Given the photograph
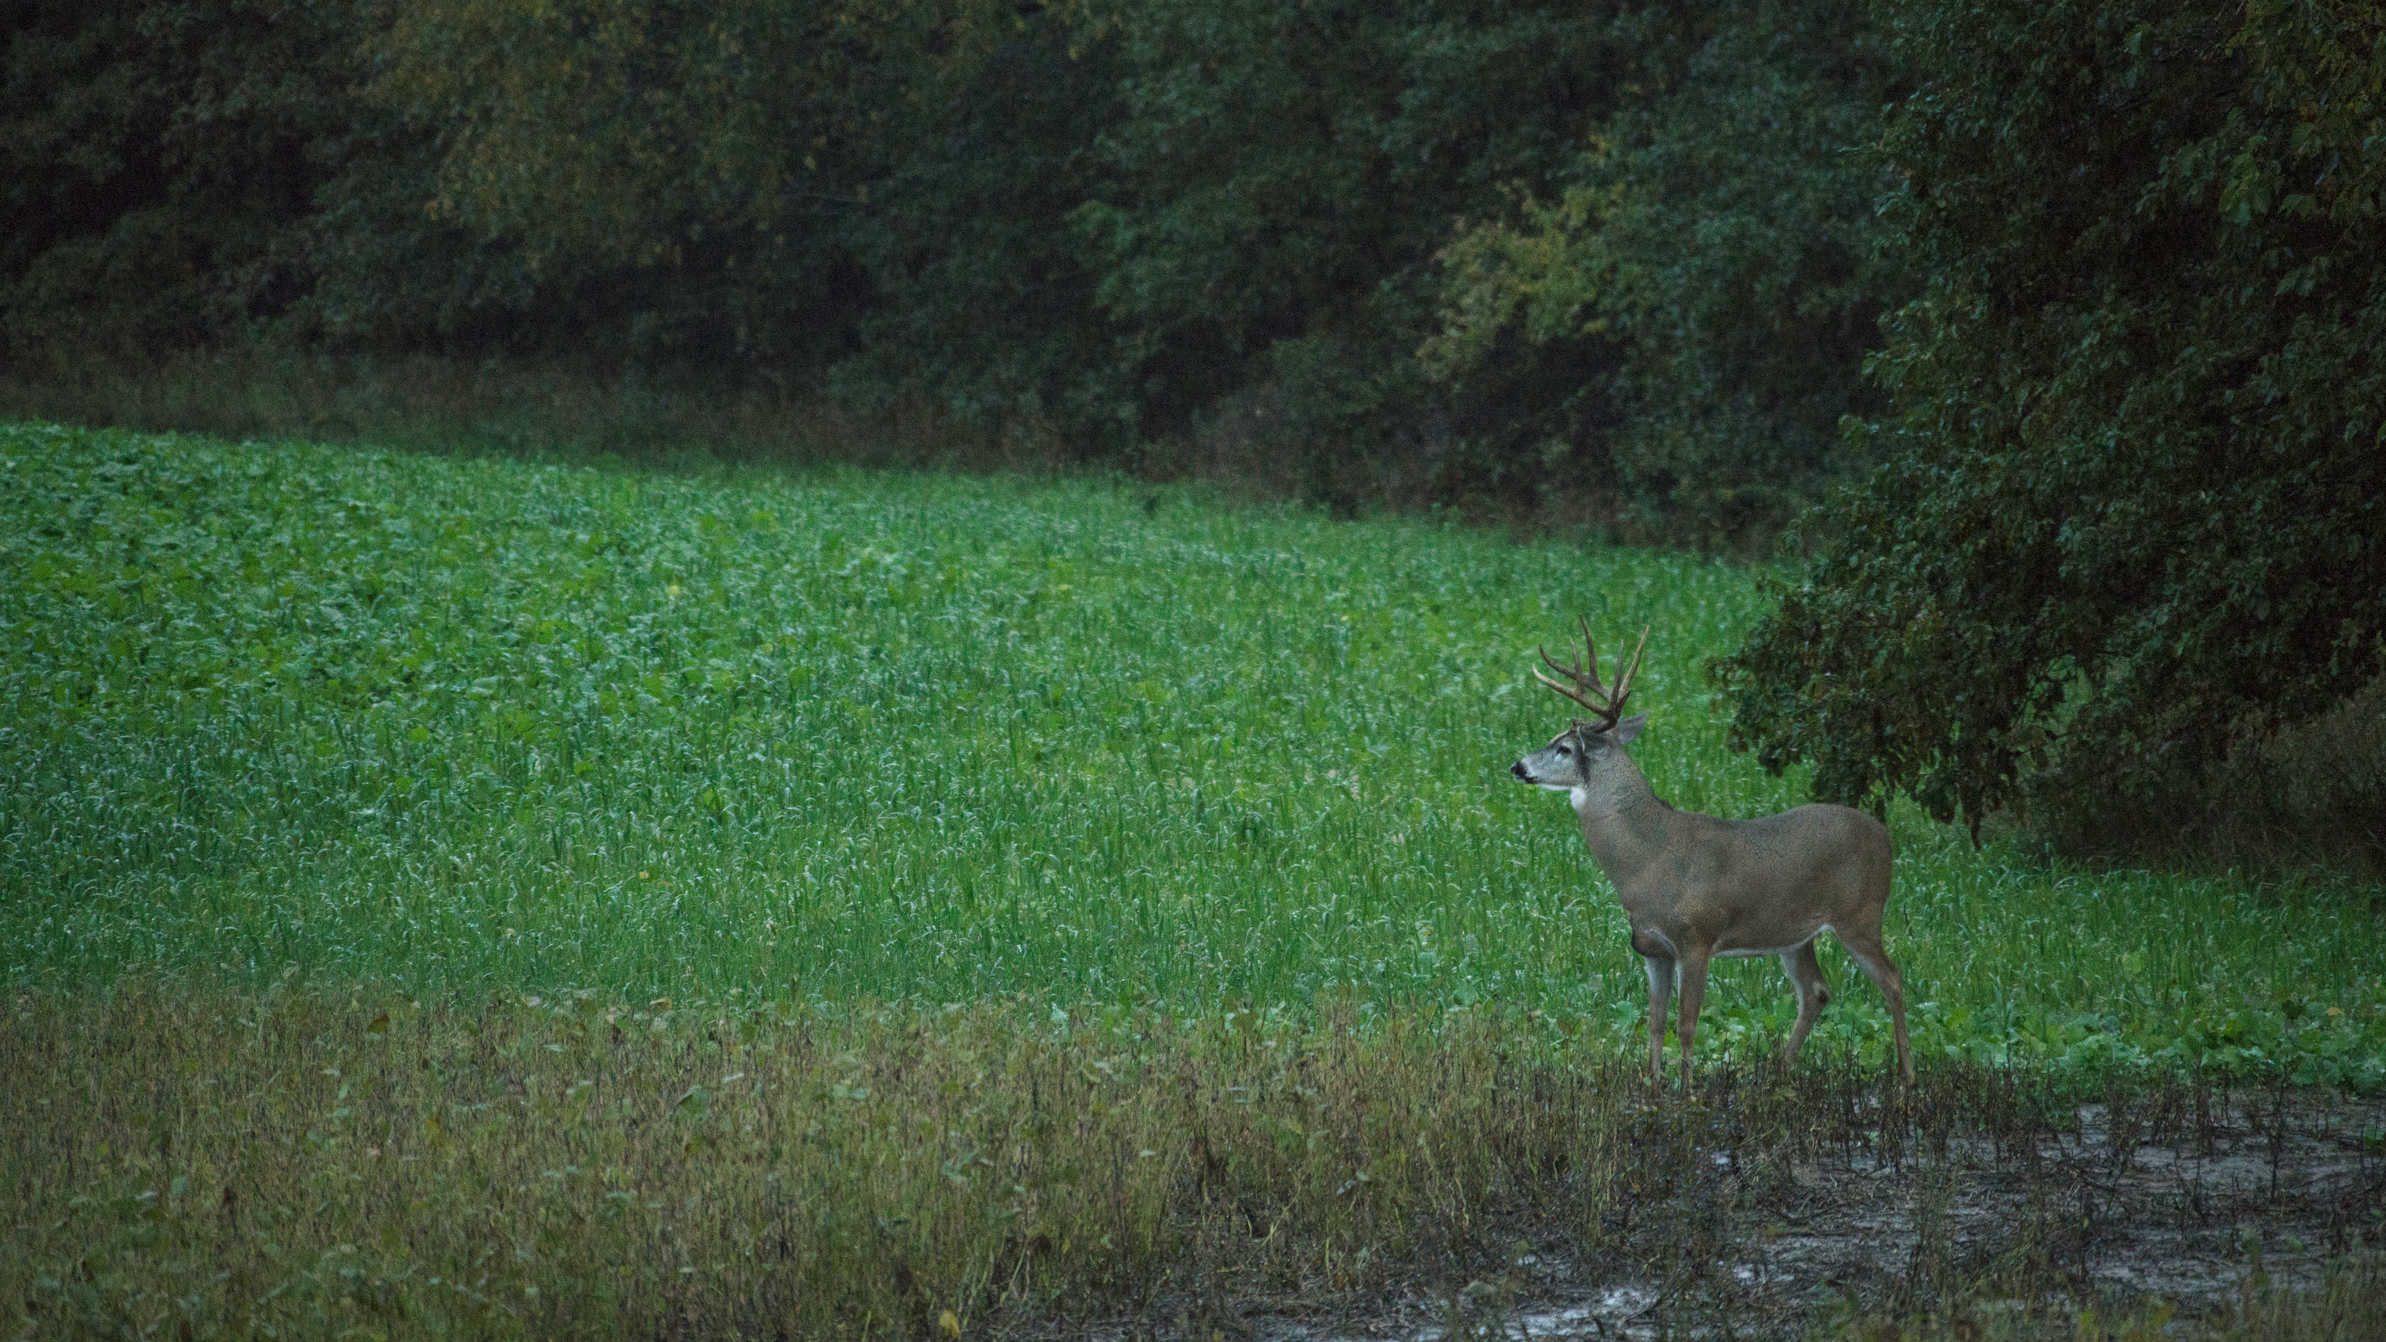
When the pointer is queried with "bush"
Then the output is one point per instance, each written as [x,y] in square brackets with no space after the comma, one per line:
[2130,520]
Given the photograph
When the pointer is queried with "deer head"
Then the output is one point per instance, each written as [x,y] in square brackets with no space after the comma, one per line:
[1576,755]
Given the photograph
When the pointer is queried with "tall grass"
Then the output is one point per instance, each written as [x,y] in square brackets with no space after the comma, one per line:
[287,1164]
[276,709]
[183,1161]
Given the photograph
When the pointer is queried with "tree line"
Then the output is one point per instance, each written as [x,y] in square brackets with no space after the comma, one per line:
[2049,328]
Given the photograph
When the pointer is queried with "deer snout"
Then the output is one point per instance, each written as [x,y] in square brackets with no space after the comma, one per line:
[1523,775]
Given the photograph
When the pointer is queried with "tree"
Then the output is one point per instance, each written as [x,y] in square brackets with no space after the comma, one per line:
[157,162]
[1275,189]
[982,300]
[2130,517]
[1712,240]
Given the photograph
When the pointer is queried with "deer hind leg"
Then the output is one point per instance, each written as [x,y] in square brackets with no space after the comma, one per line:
[1874,960]
[1806,977]
[1661,990]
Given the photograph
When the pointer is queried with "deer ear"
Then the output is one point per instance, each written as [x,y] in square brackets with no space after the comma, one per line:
[1630,727]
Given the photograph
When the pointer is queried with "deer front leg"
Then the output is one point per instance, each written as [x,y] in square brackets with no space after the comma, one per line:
[1694,995]
[1661,990]
[1806,977]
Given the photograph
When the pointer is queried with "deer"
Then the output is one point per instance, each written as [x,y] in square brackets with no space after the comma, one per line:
[1698,886]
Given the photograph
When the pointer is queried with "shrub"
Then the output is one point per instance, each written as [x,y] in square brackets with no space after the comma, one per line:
[2129,522]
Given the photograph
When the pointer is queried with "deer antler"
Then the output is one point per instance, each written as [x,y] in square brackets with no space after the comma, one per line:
[1606,704]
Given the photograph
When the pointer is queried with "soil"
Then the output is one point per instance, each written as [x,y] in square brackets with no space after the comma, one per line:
[2196,1202]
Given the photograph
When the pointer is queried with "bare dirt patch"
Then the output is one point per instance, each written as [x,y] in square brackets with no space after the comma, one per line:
[2206,1201]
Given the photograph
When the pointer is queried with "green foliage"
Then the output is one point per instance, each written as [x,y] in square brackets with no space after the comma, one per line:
[787,191]
[983,300]
[2130,515]
[1712,244]
[456,724]
[154,163]
[185,175]
[1608,266]
[1655,298]
[1277,183]
[679,173]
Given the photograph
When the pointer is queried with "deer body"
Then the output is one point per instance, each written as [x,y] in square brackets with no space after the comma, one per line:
[1698,886]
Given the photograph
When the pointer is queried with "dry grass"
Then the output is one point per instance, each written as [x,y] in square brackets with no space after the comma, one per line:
[183,1160]
[299,1164]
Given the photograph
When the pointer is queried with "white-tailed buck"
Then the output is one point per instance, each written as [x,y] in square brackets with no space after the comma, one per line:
[1696,886]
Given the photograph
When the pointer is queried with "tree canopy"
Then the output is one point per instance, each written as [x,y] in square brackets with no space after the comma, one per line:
[2129,515]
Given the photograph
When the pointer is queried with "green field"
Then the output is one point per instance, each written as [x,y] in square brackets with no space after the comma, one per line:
[450,725]
[445,896]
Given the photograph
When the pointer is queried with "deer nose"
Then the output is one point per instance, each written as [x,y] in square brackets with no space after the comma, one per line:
[1518,769]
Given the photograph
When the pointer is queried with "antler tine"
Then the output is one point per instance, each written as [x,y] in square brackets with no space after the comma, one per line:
[1587,674]
[1630,669]
[1586,681]
[1575,694]
[1591,646]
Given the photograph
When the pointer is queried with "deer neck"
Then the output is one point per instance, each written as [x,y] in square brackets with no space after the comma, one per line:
[1623,820]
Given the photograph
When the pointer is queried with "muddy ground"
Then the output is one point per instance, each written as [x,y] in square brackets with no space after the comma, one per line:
[2198,1198]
